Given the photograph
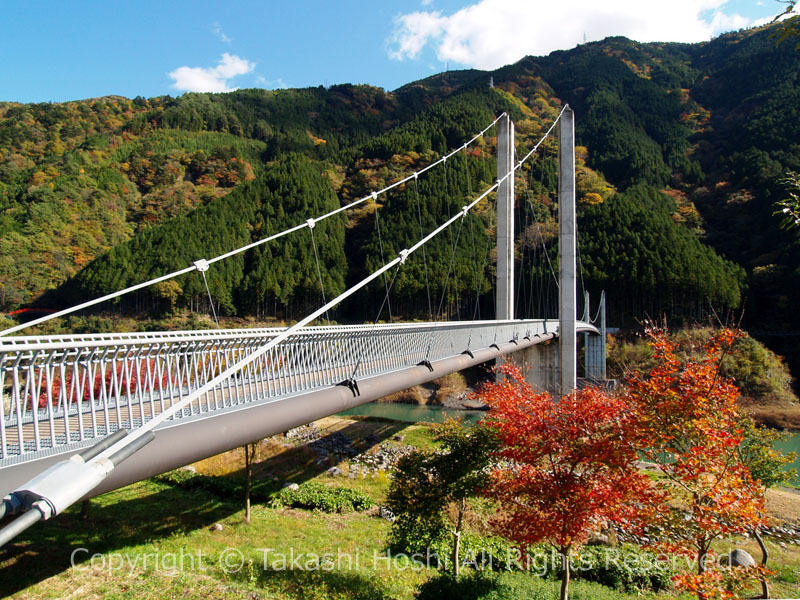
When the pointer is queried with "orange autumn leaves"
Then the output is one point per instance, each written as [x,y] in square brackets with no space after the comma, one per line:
[572,461]
[569,467]
[688,424]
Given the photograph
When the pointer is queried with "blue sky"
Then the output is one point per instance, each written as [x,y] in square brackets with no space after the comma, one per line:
[57,50]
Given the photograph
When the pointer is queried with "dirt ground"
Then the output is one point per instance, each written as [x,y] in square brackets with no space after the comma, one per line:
[784,504]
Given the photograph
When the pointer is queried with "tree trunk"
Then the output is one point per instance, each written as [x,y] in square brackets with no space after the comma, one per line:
[457,538]
[248,470]
[764,559]
[702,553]
[564,573]
[85,510]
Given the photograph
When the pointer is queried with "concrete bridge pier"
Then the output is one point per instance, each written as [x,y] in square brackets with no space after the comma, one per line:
[539,365]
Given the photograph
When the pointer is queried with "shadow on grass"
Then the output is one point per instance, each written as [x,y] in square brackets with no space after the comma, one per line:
[154,513]
[326,584]
[46,548]
[300,464]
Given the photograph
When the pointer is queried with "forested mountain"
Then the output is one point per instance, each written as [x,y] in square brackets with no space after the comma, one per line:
[682,148]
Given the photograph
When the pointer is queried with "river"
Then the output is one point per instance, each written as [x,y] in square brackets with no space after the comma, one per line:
[414,413]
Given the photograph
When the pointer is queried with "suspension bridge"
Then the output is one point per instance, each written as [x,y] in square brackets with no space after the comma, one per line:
[85,414]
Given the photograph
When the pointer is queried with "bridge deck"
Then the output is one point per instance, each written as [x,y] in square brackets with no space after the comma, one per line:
[61,393]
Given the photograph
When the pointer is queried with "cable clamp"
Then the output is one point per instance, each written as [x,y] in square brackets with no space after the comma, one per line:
[495,346]
[426,363]
[374,196]
[464,211]
[311,223]
[416,175]
[404,256]
[469,353]
[352,385]
[201,265]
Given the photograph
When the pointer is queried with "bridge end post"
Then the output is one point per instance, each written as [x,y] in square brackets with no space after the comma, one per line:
[596,348]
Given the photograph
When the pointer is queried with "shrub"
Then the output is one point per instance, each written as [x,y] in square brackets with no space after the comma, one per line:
[315,496]
[627,568]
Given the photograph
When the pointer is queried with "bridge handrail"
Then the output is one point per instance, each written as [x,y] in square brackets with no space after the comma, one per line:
[122,383]
[95,340]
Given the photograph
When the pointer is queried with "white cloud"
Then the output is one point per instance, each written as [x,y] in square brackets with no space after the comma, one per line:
[493,33]
[217,30]
[211,79]
[417,29]
[272,84]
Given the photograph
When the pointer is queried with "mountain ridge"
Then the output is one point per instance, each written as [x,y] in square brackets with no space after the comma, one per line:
[679,125]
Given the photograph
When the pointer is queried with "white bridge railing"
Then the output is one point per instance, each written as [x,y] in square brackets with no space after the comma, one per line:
[59,391]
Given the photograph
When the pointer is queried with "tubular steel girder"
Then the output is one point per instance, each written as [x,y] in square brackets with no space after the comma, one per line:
[62,393]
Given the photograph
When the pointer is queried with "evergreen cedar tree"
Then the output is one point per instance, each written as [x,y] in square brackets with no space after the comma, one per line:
[573,464]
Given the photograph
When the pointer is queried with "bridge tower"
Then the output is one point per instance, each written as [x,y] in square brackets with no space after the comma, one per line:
[505,220]
[567,310]
[550,367]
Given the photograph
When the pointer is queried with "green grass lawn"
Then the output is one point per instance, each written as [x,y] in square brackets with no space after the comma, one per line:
[153,540]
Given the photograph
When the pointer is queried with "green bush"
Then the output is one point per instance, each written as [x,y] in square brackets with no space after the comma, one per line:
[315,496]
[311,496]
[625,568]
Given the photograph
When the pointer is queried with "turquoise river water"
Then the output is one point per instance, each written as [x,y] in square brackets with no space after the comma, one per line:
[414,413]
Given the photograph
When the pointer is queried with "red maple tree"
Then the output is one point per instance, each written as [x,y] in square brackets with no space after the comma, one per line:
[569,465]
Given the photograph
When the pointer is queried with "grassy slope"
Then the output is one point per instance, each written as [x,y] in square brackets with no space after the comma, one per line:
[157,522]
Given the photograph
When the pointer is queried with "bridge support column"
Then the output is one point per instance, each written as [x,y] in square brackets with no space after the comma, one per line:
[505,219]
[595,348]
[566,252]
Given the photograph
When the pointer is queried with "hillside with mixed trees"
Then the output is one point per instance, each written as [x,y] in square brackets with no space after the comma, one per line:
[682,149]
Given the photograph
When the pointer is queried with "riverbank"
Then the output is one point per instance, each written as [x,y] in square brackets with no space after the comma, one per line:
[416,413]
[784,419]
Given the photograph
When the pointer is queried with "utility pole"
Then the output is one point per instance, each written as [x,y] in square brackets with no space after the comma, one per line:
[505,220]
[566,251]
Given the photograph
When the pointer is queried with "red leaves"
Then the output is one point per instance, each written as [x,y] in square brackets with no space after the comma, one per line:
[726,584]
[121,379]
[570,465]
[571,462]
